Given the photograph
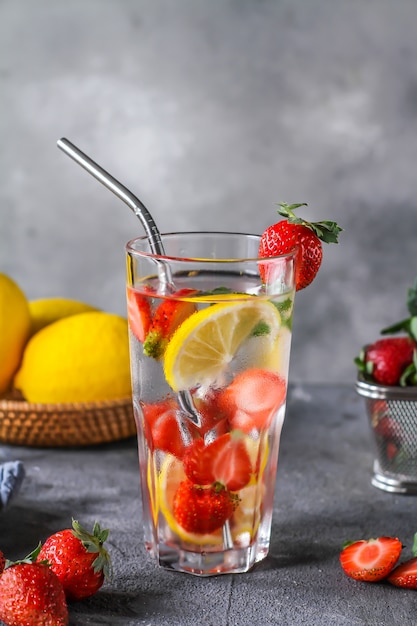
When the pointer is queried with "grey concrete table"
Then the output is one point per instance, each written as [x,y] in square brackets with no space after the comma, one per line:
[323,497]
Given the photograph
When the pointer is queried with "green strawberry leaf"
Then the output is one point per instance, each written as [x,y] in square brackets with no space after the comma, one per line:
[409,375]
[360,362]
[325,230]
[415,545]
[403,325]
[408,325]
[413,327]
[369,368]
[30,558]
[412,299]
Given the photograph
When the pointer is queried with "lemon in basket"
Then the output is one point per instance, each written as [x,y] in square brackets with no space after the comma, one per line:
[81,358]
[44,311]
[14,329]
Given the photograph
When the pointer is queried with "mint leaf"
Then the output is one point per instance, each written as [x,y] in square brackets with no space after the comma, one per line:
[260,329]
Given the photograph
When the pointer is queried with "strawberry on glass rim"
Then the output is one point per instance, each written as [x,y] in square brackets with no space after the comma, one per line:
[292,233]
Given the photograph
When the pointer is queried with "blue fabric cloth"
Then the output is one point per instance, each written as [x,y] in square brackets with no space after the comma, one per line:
[11,477]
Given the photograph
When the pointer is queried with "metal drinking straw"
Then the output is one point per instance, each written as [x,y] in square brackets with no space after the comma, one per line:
[155,242]
[152,232]
[106,179]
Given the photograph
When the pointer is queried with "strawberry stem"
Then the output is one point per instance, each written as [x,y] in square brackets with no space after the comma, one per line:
[30,558]
[325,230]
[93,542]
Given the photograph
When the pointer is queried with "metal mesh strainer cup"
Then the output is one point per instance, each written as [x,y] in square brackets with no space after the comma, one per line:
[392,413]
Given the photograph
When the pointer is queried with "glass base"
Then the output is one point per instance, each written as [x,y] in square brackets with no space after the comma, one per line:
[234,561]
[393,483]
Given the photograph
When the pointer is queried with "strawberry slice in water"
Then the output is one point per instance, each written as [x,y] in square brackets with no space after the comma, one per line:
[253,398]
[213,418]
[162,430]
[139,313]
[225,461]
[166,319]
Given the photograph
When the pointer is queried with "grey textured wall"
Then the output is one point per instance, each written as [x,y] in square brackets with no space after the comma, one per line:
[212,111]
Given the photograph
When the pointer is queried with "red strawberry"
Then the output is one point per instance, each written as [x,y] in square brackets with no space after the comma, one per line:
[213,419]
[2,561]
[161,427]
[253,398]
[294,232]
[386,359]
[370,560]
[225,461]
[202,509]
[390,435]
[31,594]
[168,316]
[79,559]
[138,313]
[405,575]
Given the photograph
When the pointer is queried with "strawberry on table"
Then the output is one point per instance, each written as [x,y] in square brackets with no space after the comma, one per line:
[166,319]
[253,398]
[203,510]
[79,559]
[2,561]
[370,560]
[405,575]
[386,360]
[294,232]
[31,594]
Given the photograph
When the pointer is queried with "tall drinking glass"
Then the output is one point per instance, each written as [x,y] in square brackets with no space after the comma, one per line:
[210,334]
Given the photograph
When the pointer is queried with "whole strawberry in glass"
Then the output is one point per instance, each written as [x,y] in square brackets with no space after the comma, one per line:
[79,559]
[292,233]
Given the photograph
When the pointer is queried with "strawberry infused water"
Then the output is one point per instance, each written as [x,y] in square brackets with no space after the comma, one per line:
[210,330]
[210,333]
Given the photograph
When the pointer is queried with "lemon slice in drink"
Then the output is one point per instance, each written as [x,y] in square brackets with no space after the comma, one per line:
[206,342]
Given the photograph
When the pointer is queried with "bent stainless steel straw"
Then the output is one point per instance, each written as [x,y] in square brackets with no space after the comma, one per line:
[106,179]
[152,232]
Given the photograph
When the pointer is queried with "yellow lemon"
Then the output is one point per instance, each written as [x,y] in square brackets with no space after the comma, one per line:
[44,311]
[207,341]
[14,329]
[247,516]
[81,358]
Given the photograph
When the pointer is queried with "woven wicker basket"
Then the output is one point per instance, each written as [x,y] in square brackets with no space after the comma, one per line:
[65,425]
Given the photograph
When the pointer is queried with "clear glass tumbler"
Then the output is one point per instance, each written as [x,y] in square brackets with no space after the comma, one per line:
[210,334]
